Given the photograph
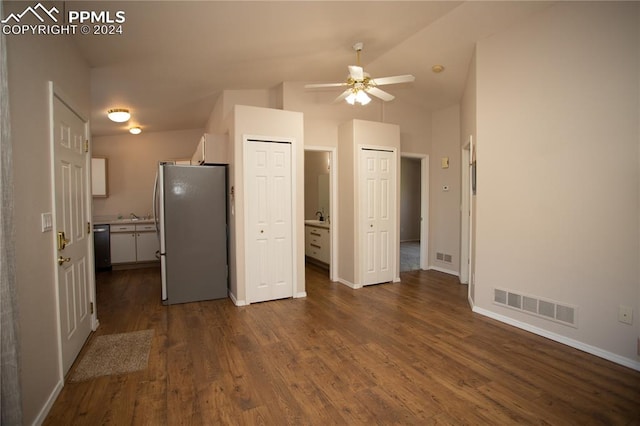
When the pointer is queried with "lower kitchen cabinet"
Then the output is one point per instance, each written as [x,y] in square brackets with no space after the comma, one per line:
[146,245]
[133,243]
[123,244]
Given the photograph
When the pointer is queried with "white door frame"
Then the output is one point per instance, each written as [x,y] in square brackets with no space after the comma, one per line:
[466,221]
[465,215]
[56,92]
[246,139]
[333,202]
[395,243]
[424,206]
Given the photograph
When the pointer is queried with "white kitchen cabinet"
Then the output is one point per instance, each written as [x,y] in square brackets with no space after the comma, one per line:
[317,243]
[99,180]
[123,244]
[212,149]
[133,243]
[146,243]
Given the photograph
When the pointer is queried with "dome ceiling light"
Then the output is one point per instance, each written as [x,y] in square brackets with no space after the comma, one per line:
[119,115]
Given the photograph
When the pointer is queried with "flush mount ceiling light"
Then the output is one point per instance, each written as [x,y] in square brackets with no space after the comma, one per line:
[119,115]
[437,68]
[135,130]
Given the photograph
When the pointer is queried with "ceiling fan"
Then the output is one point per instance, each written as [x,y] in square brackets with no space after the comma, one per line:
[359,83]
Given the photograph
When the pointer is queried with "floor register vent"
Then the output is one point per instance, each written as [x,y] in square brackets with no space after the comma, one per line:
[548,309]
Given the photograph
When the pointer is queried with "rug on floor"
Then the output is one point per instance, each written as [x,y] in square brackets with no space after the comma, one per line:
[114,354]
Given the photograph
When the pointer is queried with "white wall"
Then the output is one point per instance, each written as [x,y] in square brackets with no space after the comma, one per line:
[132,166]
[32,62]
[444,210]
[558,169]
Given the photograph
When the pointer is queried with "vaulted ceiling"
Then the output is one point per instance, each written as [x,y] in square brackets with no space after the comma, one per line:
[175,57]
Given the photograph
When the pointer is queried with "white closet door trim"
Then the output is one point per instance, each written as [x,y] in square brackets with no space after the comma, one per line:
[249,263]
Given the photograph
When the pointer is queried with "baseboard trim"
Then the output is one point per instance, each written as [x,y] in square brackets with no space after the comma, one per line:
[300,295]
[236,301]
[446,271]
[349,284]
[42,415]
[593,350]
[471,303]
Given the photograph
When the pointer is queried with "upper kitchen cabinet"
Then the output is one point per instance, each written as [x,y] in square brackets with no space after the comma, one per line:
[99,181]
[212,149]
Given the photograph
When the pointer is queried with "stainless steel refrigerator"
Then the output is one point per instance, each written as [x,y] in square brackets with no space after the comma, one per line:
[190,207]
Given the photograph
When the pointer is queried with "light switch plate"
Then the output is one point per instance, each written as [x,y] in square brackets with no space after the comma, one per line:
[445,162]
[47,221]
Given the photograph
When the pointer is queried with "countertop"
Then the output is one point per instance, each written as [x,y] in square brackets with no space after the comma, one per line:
[317,223]
[108,220]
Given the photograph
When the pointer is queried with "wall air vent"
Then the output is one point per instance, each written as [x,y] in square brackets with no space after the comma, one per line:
[543,308]
[443,257]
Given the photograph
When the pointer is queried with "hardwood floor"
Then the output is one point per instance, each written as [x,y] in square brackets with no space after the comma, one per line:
[408,353]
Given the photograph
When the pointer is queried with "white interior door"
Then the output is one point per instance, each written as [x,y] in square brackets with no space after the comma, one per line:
[72,257]
[377,215]
[269,262]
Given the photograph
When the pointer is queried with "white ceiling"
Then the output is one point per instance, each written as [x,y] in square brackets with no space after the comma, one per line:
[175,57]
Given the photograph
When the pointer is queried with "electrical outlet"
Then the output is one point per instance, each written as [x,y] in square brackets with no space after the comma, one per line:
[625,314]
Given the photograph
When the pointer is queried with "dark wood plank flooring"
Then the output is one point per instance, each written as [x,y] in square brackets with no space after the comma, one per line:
[408,353]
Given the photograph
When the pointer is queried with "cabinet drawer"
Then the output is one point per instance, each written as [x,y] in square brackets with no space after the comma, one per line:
[123,228]
[146,227]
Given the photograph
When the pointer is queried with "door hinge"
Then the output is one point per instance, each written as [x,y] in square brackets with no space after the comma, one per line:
[91,304]
[86,145]
[88,227]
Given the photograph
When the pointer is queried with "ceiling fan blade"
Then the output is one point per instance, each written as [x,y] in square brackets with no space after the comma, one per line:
[320,85]
[378,93]
[408,78]
[356,72]
[342,96]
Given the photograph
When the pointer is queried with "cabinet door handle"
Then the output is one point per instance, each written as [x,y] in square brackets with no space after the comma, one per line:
[316,246]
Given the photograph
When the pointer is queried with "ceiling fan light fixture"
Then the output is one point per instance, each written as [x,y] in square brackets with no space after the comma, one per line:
[119,115]
[362,97]
[351,99]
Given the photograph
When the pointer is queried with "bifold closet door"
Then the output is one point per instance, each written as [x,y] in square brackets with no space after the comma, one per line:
[269,250]
[377,215]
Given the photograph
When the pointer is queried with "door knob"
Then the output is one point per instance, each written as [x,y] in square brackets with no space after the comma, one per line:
[262,231]
[62,260]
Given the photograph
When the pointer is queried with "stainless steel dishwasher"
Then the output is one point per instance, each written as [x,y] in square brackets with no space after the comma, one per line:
[102,247]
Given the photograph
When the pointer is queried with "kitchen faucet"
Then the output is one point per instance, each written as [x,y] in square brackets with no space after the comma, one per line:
[321,218]
[133,216]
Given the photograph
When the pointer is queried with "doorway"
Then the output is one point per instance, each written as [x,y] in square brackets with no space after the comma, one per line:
[414,212]
[320,192]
